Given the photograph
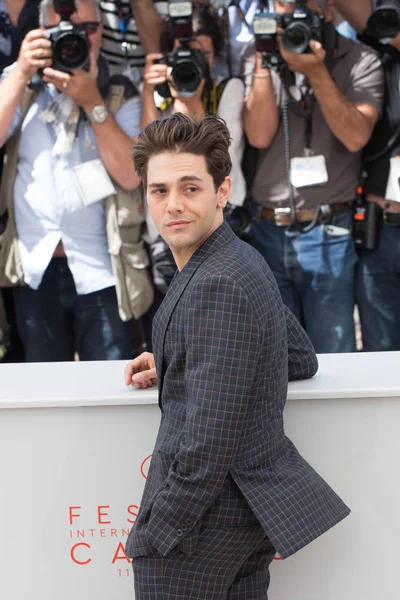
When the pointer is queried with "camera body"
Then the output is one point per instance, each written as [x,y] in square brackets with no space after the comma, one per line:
[299,27]
[189,65]
[70,44]
[384,22]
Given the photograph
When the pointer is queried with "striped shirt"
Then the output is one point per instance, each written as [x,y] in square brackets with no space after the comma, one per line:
[121,45]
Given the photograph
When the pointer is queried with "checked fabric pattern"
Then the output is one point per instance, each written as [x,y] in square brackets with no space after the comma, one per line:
[224,347]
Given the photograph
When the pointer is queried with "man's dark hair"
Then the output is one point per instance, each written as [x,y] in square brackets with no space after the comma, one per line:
[208,137]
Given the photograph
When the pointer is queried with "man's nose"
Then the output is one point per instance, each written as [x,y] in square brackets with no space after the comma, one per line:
[175,203]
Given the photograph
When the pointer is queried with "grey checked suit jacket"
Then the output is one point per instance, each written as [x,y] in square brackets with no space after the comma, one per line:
[223,345]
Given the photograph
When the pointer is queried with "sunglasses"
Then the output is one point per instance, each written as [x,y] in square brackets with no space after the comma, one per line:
[88,27]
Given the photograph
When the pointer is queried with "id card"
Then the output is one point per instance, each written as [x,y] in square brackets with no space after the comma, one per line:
[93,181]
[308,170]
[393,185]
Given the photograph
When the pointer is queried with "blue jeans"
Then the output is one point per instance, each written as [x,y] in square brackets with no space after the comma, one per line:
[315,272]
[54,322]
[378,292]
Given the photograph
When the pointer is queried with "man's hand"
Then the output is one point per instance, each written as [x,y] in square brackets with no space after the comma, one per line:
[154,73]
[80,86]
[35,53]
[141,372]
[307,64]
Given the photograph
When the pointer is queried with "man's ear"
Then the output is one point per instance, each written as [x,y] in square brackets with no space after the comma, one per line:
[223,192]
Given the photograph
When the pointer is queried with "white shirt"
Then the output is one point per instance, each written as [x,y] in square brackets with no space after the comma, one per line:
[48,205]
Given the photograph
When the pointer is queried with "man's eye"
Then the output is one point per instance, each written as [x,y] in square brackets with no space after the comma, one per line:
[159,191]
[191,189]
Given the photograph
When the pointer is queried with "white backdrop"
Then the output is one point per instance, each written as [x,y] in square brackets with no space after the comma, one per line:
[71,480]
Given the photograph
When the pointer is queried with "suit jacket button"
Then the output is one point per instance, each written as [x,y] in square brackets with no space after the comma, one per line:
[179,532]
[184,528]
[189,522]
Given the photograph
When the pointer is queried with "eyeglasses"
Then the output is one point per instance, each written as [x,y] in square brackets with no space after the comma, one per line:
[88,26]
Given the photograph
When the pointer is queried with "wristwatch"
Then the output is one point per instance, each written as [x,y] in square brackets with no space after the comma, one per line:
[98,114]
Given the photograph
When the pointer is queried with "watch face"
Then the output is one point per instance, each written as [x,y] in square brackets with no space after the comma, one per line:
[99,114]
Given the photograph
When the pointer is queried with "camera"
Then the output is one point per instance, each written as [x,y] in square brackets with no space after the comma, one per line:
[299,27]
[70,43]
[189,65]
[384,22]
[239,219]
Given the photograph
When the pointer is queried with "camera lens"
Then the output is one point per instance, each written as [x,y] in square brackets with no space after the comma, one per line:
[385,22]
[71,51]
[296,38]
[186,77]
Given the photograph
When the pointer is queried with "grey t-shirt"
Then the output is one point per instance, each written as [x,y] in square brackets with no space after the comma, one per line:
[359,76]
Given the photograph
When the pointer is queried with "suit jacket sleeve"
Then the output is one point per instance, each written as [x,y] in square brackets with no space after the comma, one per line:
[221,341]
[302,360]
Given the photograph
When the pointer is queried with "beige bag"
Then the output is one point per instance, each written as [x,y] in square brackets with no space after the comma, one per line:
[11,273]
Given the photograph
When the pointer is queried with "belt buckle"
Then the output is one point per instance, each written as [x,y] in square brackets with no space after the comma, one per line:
[279,217]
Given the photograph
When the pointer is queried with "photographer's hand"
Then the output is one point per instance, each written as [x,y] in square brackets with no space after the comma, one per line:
[80,86]
[35,53]
[154,74]
[306,64]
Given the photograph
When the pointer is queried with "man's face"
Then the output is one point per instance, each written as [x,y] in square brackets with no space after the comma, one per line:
[182,200]
[86,12]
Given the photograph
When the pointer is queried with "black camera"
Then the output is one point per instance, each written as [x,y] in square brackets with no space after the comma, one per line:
[384,22]
[70,43]
[300,26]
[265,28]
[239,219]
[189,65]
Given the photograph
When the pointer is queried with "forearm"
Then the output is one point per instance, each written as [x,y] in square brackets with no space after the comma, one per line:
[190,106]
[260,113]
[149,109]
[11,92]
[345,121]
[356,12]
[302,360]
[148,23]
[115,149]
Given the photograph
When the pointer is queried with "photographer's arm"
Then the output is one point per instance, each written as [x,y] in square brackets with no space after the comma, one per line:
[356,12]
[154,74]
[114,145]
[350,122]
[148,23]
[35,52]
[260,112]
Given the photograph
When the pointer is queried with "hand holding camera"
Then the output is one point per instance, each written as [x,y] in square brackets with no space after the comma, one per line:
[35,53]
[306,64]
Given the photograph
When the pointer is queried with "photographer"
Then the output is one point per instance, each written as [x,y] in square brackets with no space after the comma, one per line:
[378,270]
[224,98]
[61,204]
[310,119]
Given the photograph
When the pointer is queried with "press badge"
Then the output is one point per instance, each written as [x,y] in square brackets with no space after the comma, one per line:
[93,181]
[308,170]
[393,186]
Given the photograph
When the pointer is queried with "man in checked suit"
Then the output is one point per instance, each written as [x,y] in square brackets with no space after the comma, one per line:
[226,489]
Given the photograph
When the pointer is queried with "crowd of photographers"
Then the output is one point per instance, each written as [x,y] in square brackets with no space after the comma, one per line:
[315,123]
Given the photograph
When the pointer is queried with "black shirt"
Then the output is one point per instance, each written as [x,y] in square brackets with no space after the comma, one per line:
[11,37]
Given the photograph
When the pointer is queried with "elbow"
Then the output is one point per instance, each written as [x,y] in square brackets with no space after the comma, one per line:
[258,140]
[313,367]
[128,182]
[356,143]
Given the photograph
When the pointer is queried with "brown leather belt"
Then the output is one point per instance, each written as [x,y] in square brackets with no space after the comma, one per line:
[282,217]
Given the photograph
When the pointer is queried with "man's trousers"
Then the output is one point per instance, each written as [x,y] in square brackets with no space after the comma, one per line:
[227,564]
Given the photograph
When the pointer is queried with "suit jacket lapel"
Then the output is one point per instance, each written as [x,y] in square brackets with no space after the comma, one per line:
[223,235]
